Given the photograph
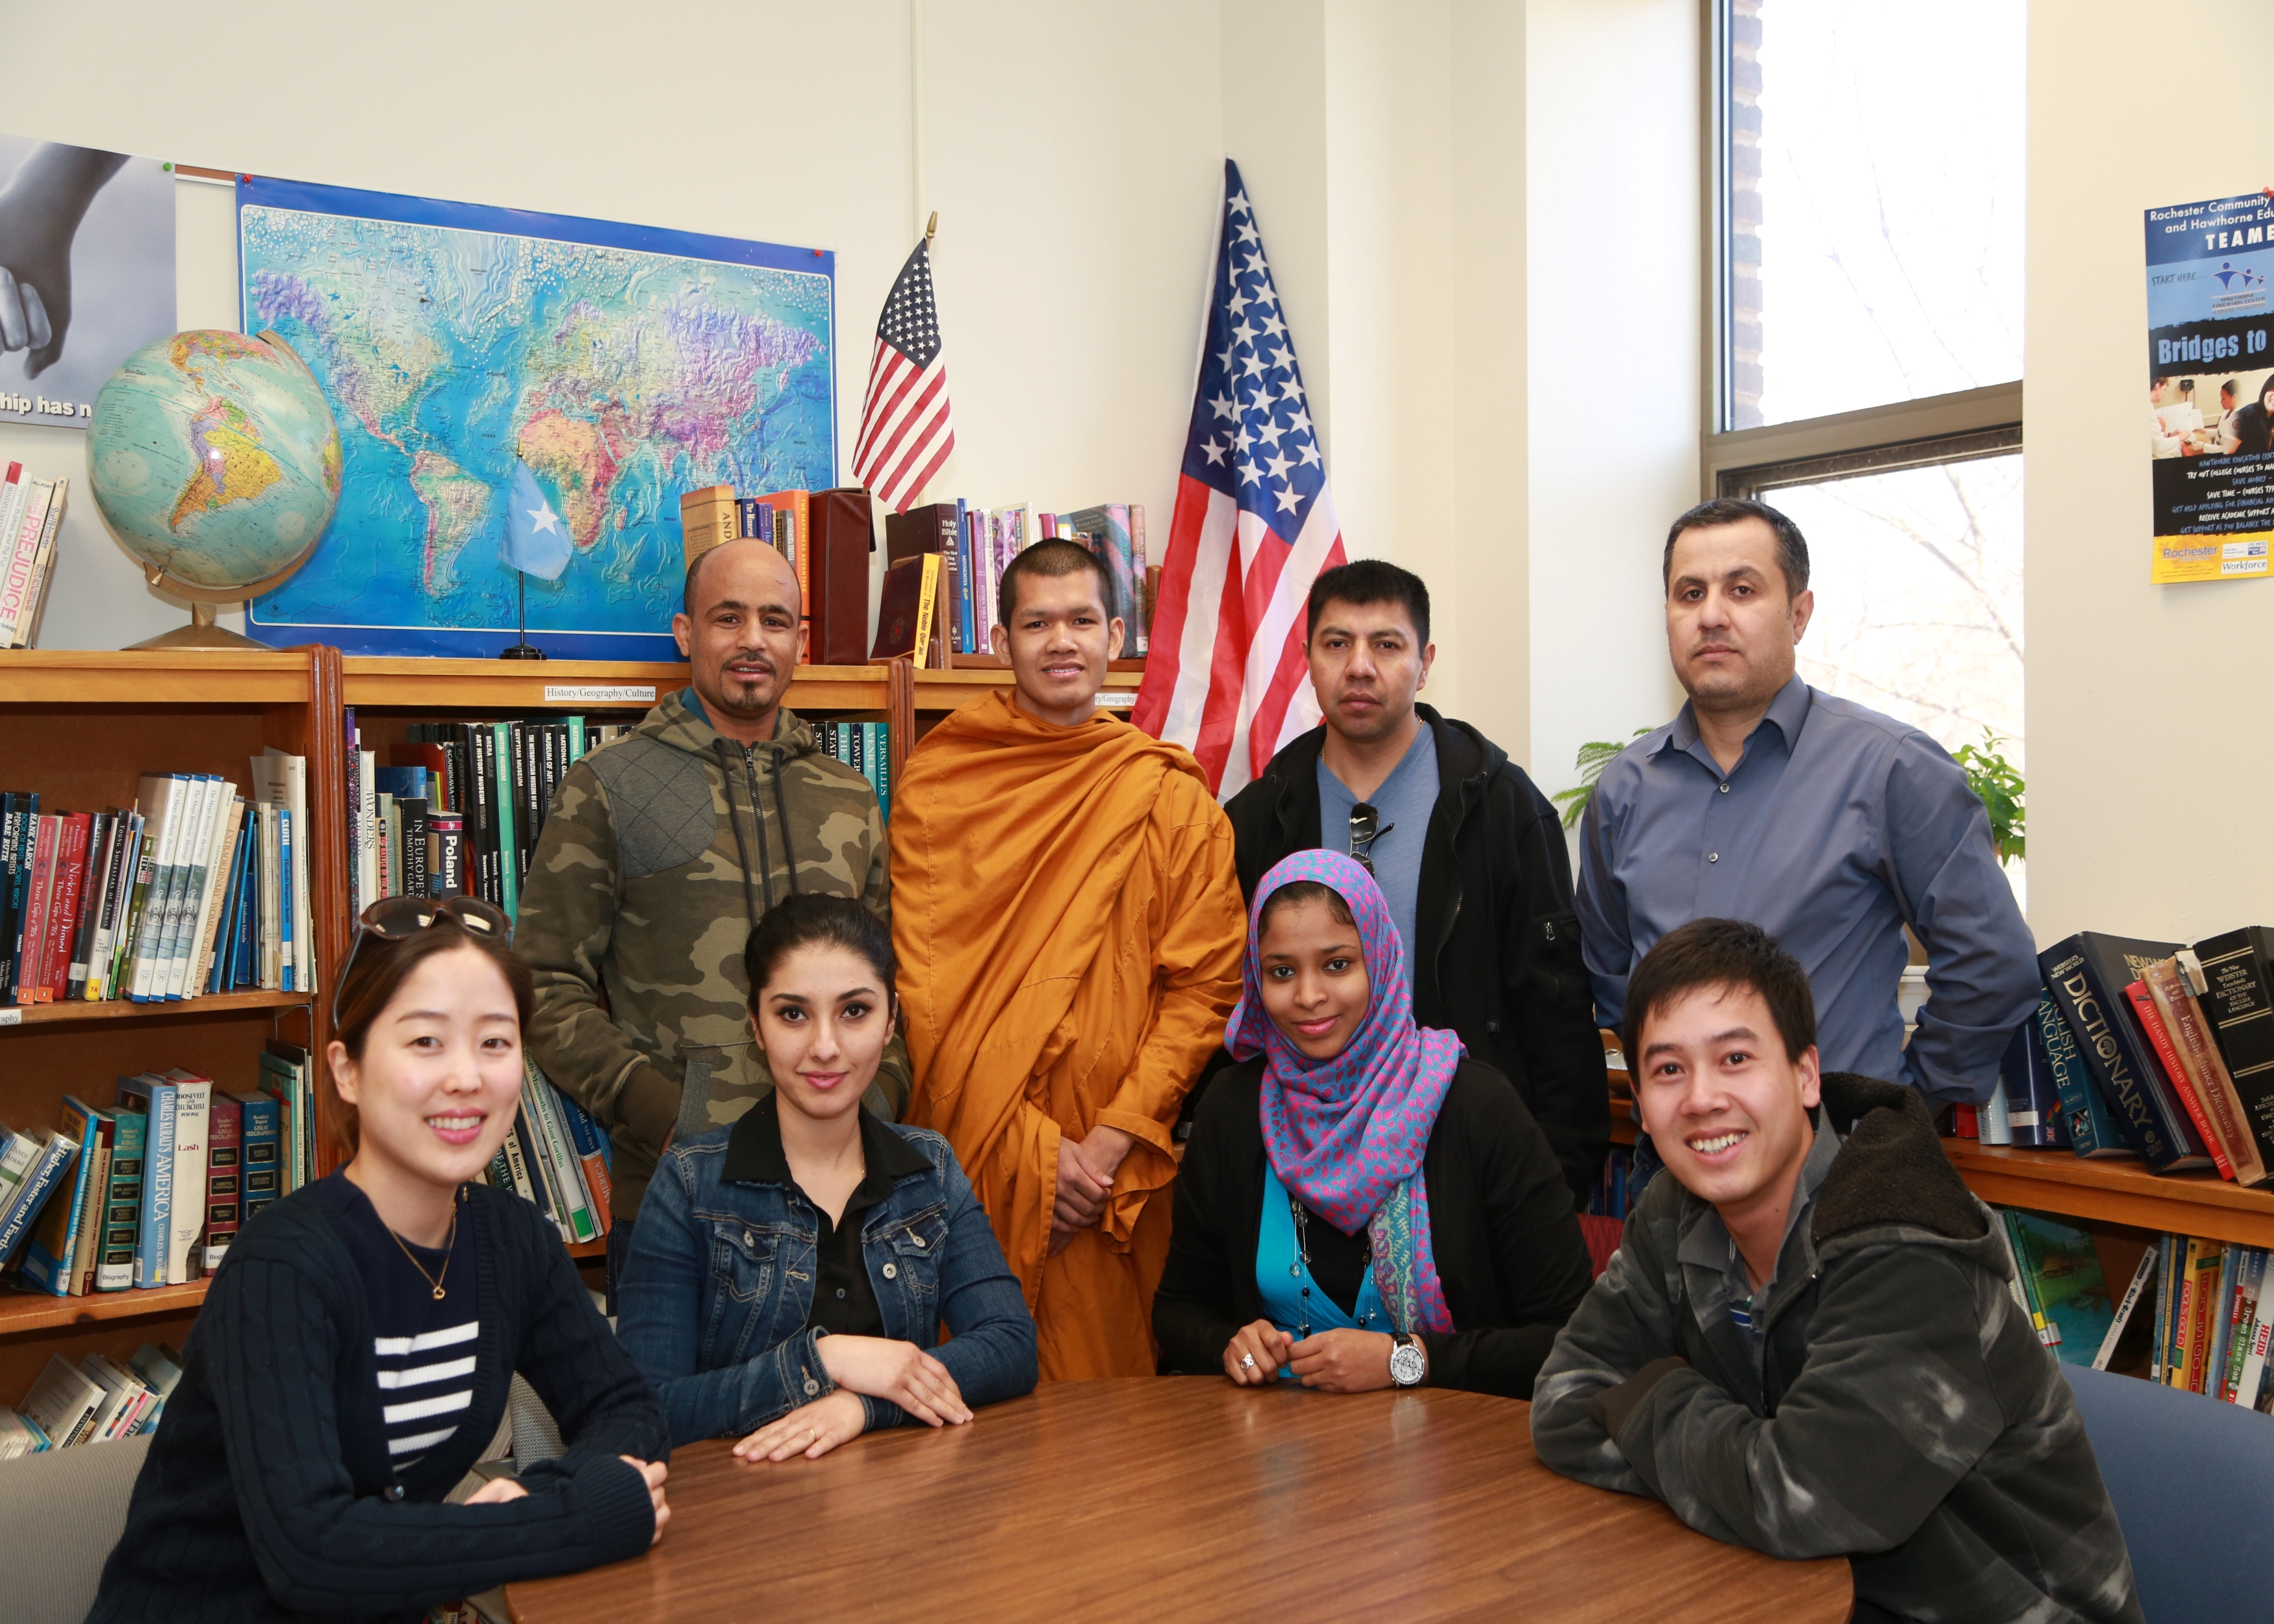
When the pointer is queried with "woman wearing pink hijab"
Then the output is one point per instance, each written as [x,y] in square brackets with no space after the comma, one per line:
[1360,1207]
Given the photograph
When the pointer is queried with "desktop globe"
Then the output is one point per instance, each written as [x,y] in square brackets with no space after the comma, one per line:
[216,461]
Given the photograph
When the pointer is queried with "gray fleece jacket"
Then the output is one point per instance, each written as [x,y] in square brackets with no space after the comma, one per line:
[1901,1411]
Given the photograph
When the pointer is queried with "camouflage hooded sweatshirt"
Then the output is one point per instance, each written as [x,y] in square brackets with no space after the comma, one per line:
[661,851]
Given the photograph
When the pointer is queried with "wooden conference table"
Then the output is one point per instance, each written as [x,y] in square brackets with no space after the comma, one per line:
[1181,1497]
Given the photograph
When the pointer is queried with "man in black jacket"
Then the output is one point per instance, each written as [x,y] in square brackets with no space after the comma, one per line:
[1467,850]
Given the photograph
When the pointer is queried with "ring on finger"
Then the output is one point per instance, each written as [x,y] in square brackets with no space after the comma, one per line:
[1247,1360]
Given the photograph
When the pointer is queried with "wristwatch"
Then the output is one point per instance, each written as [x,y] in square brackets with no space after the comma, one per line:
[1407,1363]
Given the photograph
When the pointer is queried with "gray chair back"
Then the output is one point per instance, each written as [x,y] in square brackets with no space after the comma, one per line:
[60,1513]
[2192,1480]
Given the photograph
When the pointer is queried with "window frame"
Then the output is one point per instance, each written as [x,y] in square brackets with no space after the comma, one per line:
[1901,433]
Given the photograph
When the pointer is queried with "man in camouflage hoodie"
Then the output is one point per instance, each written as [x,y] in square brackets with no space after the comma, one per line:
[1807,1341]
[660,852]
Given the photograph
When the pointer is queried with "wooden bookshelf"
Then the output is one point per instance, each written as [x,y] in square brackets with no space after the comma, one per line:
[125,1009]
[2115,1191]
[81,728]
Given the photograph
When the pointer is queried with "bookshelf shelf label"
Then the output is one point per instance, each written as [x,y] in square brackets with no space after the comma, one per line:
[1117,699]
[11,1017]
[600,693]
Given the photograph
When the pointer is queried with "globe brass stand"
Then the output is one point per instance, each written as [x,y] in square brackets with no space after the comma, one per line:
[201,633]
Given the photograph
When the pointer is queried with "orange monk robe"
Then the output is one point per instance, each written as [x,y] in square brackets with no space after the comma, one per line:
[1069,927]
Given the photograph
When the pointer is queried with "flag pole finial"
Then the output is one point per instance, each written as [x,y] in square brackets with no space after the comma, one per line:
[931,226]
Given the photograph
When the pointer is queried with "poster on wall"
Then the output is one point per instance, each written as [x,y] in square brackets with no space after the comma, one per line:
[2210,387]
[86,272]
[481,359]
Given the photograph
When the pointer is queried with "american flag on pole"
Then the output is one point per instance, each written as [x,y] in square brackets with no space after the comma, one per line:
[1255,525]
[907,431]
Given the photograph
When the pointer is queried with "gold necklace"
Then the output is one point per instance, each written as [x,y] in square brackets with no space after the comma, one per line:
[449,1250]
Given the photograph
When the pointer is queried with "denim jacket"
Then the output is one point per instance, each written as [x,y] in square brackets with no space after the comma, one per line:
[717,1299]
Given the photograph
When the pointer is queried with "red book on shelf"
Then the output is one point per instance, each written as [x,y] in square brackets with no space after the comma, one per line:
[32,946]
[2167,1056]
[63,911]
[1967,1122]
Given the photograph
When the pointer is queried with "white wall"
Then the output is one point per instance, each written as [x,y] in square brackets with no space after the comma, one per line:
[1072,150]
[1447,188]
[2149,776]
[1613,265]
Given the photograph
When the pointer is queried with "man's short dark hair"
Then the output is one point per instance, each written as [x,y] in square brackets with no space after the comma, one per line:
[1720,953]
[1059,557]
[1371,581]
[1792,547]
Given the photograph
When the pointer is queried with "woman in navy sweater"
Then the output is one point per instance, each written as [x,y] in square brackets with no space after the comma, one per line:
[352,1358]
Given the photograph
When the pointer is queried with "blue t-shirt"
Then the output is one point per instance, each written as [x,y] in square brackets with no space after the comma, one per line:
[1402,807]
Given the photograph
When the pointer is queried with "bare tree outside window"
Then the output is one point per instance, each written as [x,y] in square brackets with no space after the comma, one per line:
[1917,577]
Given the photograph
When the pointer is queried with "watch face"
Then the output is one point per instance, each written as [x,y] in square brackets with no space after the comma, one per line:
[1405,1364]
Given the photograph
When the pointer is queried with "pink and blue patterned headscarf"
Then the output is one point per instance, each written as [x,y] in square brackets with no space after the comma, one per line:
[1347,1135]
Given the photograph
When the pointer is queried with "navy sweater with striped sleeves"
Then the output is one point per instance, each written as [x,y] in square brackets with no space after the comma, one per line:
[269,1492]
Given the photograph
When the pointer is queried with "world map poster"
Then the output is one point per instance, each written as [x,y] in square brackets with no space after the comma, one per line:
[621,366]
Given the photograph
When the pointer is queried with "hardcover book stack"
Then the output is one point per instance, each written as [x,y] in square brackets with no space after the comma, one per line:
[827,536]
[31,511]
[2152,1050]
[152,1191]
[195,889]
[92,1402]
[945,562]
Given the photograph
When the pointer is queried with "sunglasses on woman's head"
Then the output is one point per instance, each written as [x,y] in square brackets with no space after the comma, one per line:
[398,919]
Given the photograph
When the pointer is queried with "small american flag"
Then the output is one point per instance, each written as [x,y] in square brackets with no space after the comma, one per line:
[1255,525]
[907,431]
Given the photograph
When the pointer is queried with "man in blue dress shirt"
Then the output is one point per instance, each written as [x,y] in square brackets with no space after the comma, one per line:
[1830,826]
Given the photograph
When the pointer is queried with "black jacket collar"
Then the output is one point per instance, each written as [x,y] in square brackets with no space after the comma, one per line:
[1464,756]
[754,1154]
[1892,1169]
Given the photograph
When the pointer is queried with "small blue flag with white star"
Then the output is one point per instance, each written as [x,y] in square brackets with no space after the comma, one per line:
[535,541]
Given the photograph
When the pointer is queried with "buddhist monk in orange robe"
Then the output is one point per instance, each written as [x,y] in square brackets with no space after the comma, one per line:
[1068,922]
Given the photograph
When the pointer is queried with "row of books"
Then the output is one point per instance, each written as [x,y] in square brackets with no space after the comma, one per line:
[152,1191]
[940,609]
[92,1401]
[101,1202]
[195,889]
[557,1157]
[2213,1320]
[458,808]
[2153,1049]
[31,512]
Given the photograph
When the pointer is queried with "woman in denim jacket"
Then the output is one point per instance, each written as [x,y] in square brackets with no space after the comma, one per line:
[789,1274]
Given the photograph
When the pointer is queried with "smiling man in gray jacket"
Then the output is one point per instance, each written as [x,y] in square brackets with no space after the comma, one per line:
[1807,1342]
